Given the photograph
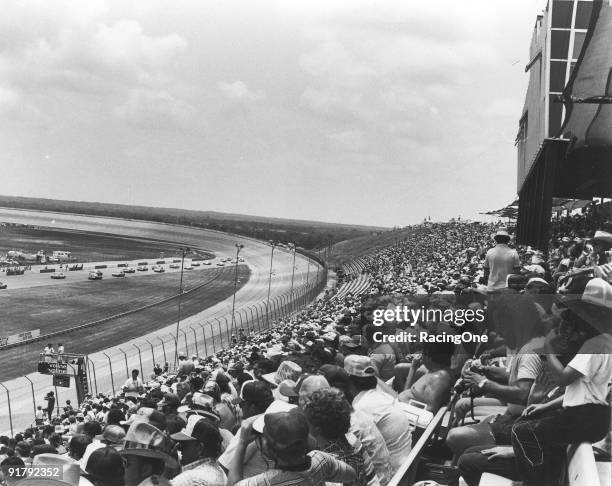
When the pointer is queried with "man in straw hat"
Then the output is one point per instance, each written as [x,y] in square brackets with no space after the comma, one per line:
[147,451]
[500,261]
[584,414]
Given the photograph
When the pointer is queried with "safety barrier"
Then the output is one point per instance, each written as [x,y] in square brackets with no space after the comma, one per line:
[404,476]
[107,371]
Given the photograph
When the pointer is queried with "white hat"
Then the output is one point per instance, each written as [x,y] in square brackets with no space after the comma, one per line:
[275,407]
[603,236]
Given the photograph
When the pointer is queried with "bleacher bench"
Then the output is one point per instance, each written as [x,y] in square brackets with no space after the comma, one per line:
[582,470]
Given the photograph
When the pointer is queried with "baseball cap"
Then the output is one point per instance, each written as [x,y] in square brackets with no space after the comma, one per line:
[189,433]
[361,366]
[287,432]
[275,407]
[310,384]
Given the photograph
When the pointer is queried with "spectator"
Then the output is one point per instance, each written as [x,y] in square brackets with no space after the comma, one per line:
[585,415]
[105,467]
[14,461]
[500,262]
[133,386]
[433,388]
[392,423]
[255,398]
[77,446]
[50,399]
[284,438]
[200,446]
[329,417]
[147,451]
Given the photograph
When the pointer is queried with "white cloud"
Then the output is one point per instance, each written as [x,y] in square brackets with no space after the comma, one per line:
[154,109]
[239,92]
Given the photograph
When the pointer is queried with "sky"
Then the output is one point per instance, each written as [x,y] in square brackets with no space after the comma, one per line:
[377,113]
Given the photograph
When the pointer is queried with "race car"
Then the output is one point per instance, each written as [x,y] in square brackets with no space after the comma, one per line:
[118,273]
[142,268]
[2,285]
[95,275]
[129,270]
[158,269]
[187,267]
[58,276]
[195,264]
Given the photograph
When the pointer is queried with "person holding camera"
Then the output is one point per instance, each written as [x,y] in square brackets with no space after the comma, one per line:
[505,390]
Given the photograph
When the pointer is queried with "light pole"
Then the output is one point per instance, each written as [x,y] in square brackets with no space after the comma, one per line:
[238,248]
[272,244]
[178,319]
[292,247]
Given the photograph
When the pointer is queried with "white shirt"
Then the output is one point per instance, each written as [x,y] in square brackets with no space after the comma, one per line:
[594,362]
[132,387]
[391,421]
[500,261]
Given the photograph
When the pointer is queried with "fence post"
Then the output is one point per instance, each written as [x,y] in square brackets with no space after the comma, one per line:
[212,336]
[95,380]
[56,400]
[220,331]
[175,348]
[163,349]
[246,317]
[33,397]
[186,345]
[252,318]
[227,328]
[140,360]
[127,367]
[195,341]
[275,307]
[10,412]
[203,337]
[152,353]
[241,321]
[263,304]
[110,365]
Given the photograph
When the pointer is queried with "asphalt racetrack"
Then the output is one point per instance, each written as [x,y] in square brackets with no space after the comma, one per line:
[59,307]
[149,332]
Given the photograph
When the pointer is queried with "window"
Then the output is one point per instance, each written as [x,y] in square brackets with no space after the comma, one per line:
[559,44]
[557,75]
[555,111]
[583,15]
[578,42]
[562,14]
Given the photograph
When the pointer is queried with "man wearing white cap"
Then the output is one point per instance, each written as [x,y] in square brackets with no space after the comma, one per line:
[500,261]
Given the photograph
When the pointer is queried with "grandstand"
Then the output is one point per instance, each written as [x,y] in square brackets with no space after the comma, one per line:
[458,353]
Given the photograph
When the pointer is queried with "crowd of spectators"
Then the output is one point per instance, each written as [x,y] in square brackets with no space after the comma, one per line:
[317,398]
